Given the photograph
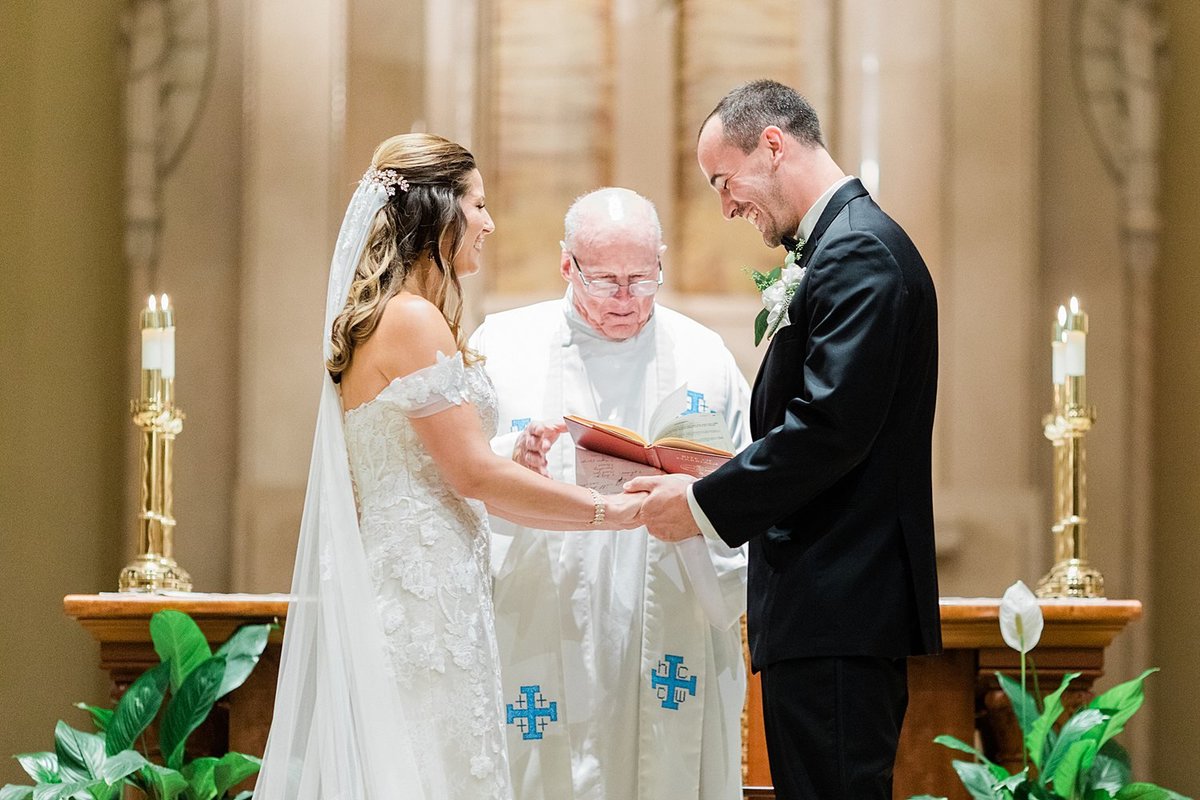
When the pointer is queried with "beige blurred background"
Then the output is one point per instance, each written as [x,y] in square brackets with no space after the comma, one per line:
[986,127]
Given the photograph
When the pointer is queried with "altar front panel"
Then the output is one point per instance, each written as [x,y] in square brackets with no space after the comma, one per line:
[954,693]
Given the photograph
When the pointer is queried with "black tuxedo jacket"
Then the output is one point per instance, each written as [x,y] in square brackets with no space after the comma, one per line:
[835,494]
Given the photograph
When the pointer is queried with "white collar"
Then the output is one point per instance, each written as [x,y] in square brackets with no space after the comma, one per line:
[809,220]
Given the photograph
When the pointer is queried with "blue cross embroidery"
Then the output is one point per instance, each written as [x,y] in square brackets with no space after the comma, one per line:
[529,713]
[672,687]
[519,425]
[696,403]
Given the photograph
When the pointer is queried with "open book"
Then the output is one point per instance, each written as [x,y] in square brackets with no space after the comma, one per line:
[690,443]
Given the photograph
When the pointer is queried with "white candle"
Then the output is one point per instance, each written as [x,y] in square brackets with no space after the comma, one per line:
[167,338]
[1076,338]
[1076,353]
[151,336]
[1058,364]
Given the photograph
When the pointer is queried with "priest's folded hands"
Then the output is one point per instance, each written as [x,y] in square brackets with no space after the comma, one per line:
[665,511]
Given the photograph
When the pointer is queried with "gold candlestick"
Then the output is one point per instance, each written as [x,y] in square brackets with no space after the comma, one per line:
[154,413]
[1066,428]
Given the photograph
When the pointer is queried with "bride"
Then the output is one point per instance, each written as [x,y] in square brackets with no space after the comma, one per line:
[389,684]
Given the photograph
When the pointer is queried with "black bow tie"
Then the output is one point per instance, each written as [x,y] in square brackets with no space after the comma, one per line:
[791,243]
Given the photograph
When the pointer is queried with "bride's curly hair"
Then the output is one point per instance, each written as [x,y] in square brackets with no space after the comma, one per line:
[421,225]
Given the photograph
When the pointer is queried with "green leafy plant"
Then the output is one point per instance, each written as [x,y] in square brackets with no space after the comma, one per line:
[1079,760]
[180,693]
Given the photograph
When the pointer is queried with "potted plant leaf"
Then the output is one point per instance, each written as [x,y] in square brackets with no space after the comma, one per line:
[1078,760]
[179,692]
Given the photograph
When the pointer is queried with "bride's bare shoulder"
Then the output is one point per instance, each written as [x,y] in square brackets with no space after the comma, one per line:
[411,331]
[407,311]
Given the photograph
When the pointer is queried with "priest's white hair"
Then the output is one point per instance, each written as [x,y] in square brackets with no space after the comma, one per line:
[610,213]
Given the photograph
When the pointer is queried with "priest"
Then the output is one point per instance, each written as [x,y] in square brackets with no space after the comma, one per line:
[621,655]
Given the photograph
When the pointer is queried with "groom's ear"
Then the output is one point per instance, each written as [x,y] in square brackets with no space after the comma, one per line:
[775,141]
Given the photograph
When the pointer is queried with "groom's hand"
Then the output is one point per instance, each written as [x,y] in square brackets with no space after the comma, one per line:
[531,447]
[665,511]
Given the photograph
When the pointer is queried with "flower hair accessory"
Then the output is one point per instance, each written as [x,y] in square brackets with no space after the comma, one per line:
[389,179]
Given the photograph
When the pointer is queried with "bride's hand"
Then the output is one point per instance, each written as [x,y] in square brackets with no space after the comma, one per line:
[621,510]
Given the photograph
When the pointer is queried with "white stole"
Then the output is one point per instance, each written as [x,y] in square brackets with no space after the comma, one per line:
[672,675]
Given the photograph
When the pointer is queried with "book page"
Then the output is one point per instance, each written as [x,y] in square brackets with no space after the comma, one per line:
[616,430]
[604,440]
[671,407]
[707,428]
[607,474]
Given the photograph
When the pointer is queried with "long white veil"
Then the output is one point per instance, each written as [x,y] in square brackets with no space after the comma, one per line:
[339,731]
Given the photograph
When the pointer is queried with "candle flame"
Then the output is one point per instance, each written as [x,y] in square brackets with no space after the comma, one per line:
[1062,315]
[153,303]
[1074,304]
[164,301]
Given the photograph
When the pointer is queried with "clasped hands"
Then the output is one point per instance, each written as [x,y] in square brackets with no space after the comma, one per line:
[659,501]
[664,510]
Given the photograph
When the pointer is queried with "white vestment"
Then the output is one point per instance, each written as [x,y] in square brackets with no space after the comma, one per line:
[618,682]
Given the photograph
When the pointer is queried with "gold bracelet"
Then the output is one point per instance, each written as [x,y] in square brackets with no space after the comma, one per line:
[598,502]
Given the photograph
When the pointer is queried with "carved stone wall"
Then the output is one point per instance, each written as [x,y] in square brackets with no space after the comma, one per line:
[1174,625]
[199,265]
[549,132]
[720,47]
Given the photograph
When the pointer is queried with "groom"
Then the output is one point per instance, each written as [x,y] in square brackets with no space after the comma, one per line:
[834,495]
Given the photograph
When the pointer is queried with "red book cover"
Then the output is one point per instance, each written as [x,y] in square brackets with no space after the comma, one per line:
[670,455]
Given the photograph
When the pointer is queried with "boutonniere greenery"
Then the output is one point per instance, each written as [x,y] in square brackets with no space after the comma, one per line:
[778,287]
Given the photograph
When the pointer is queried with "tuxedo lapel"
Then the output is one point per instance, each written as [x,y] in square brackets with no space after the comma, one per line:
[756,410]
[853,189]
[762,382]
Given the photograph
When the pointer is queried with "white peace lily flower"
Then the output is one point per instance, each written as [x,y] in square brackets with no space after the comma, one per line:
[1020,618]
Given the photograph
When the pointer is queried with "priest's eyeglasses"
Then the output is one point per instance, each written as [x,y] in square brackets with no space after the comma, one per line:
[607,288]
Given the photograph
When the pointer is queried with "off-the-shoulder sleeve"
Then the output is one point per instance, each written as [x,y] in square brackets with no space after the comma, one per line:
[431,389]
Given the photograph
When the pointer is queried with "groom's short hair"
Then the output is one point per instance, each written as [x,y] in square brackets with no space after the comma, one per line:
[752,107]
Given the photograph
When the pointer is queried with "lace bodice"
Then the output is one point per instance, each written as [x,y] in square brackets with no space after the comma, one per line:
[427,551]
[386,457]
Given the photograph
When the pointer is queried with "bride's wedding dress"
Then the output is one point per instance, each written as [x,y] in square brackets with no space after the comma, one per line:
[427,556]
[389,686]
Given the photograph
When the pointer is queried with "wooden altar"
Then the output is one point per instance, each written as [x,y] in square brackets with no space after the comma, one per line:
[954,693]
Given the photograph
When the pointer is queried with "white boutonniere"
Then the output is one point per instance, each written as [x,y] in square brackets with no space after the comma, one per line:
[778,287]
